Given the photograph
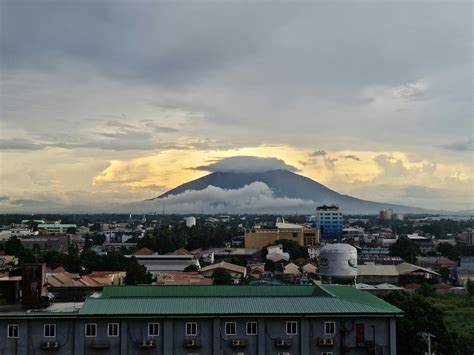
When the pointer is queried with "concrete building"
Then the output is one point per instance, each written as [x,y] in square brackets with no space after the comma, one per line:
[56,227]
[386,215]
[205,320]
[261,236]
[190,221]
[329,221]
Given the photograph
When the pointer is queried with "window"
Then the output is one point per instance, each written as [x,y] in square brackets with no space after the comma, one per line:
[329,328]
[13,330]
[291,328]
[251,328]
[191,328]
[230,328]
[113,329]
[91,330]
[153,329]
[50,330]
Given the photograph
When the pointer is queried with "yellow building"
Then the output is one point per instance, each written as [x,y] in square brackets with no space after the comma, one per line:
[259,237]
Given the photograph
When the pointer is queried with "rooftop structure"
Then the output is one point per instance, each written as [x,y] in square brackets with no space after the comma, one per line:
[208,320]
[260,236]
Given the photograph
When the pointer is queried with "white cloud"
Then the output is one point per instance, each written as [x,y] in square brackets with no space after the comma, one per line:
[255,197]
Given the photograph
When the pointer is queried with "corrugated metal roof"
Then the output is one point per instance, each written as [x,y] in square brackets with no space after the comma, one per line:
[229,305]
[213,291]
[227,300]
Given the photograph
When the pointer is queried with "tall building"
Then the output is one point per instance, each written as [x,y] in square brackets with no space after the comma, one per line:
[206,320]
[329,221]
[386,215]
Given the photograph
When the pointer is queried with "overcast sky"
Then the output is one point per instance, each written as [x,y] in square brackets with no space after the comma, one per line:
[105,102]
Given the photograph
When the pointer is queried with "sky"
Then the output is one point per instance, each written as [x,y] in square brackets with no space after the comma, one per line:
[109,102]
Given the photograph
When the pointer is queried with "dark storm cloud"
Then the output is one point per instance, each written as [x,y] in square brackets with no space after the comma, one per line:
[247,164]
[352,157]
[318,153]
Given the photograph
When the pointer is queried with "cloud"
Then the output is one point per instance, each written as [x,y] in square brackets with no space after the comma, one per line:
[252,198]
[318,153]
[4,198]
[247,164]
[351,156]
[391,166]
[461,146]
[20,144]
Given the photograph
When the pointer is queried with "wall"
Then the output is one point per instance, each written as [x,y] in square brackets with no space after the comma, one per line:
[211,333]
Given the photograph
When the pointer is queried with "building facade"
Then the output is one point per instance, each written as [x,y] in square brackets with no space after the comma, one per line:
[329,221]
[259,237]
[205,320]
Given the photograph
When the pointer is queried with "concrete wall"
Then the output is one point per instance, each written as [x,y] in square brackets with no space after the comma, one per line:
[70,333]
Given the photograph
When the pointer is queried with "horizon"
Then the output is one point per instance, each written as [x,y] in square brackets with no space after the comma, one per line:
[106,104]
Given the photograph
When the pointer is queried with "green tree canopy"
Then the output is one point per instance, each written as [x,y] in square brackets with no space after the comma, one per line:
[420,316]
[222,277]
[136,273]
[406,249]
[13,246]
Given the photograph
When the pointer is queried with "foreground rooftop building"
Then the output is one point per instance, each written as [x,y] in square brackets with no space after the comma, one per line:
[183,320]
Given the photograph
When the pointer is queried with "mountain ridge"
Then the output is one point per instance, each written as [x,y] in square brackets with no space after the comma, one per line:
[286,184]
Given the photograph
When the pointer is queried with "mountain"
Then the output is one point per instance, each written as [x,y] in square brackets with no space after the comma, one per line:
[286,184]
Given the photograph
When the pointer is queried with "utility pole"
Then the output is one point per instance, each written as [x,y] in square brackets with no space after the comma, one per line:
[427,337]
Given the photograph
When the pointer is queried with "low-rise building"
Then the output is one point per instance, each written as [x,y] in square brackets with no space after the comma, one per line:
[260,236]
[209,320]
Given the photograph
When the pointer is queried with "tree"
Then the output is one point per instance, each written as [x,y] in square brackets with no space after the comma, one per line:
[13,246]
[406,249]
[136,274]
[73,260]
[426,290]
[448,250]
[26,256]
[470,288]
[71,230]
[191,268]
[444,272]
[238,260]
[222,277]
[420,316]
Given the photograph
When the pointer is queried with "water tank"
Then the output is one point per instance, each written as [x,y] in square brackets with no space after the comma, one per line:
[338,263]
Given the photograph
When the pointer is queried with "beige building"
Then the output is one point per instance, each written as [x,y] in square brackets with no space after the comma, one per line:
[259,237]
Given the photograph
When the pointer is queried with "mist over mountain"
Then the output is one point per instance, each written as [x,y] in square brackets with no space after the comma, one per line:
[269,191]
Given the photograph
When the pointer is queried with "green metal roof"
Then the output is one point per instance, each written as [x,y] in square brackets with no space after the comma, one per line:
[212,291]
[232,300]
[225,300]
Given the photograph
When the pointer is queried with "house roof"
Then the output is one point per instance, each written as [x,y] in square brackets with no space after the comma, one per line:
[411,286]
[209,300]
[391,270]
[180,251]
[225,265]
[144,251]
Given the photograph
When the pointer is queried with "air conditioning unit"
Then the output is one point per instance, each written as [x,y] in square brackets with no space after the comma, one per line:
[238,342]
[239,353]
[146,344]
[326,341]
[49,345]
[284,353]
[192,343]
[282,342]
